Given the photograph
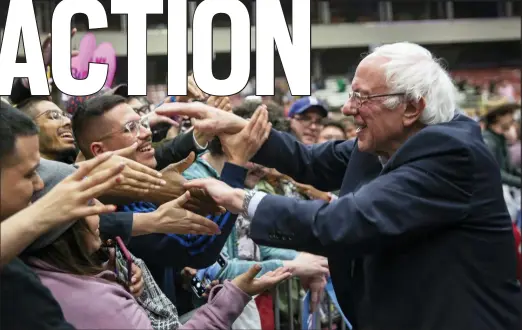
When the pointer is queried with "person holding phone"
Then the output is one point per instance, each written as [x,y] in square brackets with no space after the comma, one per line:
[66,260]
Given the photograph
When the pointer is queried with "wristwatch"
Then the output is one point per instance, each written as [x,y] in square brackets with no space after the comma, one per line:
[246,202]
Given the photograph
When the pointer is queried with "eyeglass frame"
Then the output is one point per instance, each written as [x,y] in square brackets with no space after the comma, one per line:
[60,113]
[140,123]
[362,99]
[300,119]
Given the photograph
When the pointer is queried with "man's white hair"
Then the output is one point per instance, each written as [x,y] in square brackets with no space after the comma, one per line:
[413,70]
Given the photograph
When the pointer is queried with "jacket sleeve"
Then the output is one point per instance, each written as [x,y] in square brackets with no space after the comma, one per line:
[271,253]
[236,267]
[196,251]
[175,150]
[320,165]
[116,224]
[226,303]
[425,193]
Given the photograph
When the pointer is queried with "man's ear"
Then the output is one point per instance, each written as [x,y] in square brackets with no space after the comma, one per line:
[97,148]
[413,111]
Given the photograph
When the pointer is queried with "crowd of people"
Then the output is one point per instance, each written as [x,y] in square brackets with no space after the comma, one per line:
[112,206]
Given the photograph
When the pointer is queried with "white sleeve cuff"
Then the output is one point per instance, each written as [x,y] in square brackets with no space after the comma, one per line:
[198,146]
[254,203]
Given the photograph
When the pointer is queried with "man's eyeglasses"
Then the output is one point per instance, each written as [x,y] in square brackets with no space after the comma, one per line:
[359,99]
[52,114]
[308,122]
[132,127]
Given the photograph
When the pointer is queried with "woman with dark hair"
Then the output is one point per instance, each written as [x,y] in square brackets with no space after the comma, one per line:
[93,292]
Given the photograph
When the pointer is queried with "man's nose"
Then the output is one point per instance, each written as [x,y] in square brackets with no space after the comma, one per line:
[348,109]
[145,133]
[66,121]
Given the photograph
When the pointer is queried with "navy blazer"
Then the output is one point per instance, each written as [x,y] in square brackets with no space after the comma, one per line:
[423,242]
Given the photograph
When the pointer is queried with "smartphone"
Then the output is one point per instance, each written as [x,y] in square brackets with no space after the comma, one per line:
[205,276]
[126,254]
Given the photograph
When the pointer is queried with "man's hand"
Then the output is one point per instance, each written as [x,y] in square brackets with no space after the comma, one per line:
[224,195]
[220,102]
[193,91]
[70,198]
[241,147]
[254,286]
[311,192]
[172,218]
[199,202]
[138,178]
[316,285]
[210,120]
[308,265]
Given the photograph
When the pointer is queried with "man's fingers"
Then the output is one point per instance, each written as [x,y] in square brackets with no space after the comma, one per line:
[185,163]
[253,271]
[143,173]
[197,183]
[204,224]
[181,200]
[127,152]
[86,167]
[193,110]
[258,122]
[101,184]
[138,184]
[86,211]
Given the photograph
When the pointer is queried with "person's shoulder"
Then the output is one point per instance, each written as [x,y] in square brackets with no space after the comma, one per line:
[199,169]
[461,133]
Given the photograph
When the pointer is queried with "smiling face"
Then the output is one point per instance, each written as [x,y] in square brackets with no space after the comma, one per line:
[307,125]
[379,129]
[56,136]
[121,130]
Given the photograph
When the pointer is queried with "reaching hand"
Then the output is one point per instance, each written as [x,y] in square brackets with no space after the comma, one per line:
[209,120]
[252,286]
[199,202]
[174,219]
[220,102]
[316,285]
[242,146]
[138,178]
[193,91]
[69,199]
[312,192]
[308,265]
[224,195]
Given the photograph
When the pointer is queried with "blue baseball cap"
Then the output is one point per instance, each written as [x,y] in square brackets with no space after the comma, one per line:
[305,103]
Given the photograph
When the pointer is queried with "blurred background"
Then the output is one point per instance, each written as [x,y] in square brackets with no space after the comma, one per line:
[479,42]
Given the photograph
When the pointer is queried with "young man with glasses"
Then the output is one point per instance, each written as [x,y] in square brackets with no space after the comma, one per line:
[56,137]
[108,123]
[306,116]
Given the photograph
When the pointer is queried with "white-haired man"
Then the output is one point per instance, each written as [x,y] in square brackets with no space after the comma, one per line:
[420,237]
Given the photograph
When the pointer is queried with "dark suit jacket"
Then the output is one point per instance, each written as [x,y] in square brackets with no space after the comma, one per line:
[424,242]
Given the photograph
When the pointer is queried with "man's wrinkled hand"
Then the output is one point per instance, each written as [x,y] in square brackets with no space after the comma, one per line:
[209,120]
[199,202]
[173,218]
[241,147]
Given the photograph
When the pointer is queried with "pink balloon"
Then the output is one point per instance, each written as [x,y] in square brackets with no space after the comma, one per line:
[80,63]
[105,53]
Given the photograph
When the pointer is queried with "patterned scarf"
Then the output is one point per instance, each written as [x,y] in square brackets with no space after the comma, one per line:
[162,313]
